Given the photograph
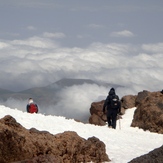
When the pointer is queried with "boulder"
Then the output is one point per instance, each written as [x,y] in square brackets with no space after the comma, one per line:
[97,116]
[18,144]
[96,108]
[96,120]
[149,112]
[155,156]
[128,101]
[141,96]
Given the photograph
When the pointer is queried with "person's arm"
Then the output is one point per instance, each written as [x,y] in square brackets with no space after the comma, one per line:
[37,108]
[105,104]
[27,108]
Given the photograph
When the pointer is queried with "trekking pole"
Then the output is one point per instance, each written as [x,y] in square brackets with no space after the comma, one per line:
[119,123]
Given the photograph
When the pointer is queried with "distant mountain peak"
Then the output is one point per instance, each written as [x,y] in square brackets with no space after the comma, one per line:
[70,82]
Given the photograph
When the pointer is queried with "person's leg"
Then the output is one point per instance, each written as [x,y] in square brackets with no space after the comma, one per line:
[109,118]
[114,120]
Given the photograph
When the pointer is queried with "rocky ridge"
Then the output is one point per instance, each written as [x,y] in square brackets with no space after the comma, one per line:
[18,144]
[148,115]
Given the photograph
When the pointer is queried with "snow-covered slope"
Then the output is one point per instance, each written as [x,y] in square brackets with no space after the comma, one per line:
[122,144]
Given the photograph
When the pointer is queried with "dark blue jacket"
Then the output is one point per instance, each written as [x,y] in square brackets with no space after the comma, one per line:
[107,102]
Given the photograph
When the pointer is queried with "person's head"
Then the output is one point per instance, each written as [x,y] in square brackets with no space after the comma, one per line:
[112,91]
[30,101]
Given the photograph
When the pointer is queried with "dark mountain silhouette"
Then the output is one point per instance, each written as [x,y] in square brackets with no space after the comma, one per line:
[40,92]
[68,82]
[5,91]
[48,94]
[51,99]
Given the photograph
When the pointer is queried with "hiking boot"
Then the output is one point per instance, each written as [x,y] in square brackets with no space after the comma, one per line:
[110,126]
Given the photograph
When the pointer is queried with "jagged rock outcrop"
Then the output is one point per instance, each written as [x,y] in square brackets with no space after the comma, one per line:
[128,101]
[97,116]
[141,96]
[155,156]
[18,143]
[149,112]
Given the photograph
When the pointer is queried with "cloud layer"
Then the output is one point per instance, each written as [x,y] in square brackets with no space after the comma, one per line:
[44,61]
[39,61]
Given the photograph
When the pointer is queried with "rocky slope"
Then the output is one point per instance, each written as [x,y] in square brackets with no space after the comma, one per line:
[18,144]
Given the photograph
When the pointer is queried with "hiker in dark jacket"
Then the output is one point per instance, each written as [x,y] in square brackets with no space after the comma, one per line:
[31,106]
[113,106]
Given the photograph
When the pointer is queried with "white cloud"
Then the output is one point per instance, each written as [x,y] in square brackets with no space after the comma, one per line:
[31,28]
[3,45]
[36,62]
[80,103]
[54,35]
[154,48]
[35,42]
[123,64]
[95,26]
[124,33]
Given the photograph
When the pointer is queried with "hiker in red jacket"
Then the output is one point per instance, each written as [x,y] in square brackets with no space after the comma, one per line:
[31,106]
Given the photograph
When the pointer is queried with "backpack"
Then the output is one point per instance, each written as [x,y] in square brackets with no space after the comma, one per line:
[114,101]
[33,108]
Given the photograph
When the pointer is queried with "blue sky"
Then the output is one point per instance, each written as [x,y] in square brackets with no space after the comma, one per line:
[117,42]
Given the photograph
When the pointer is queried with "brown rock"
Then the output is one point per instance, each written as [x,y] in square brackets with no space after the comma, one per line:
[149,113]
[141,96]
[96,108]
[95,119]
[18,143]
[97,116]
[128,101]
[155,156]
[42,159]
